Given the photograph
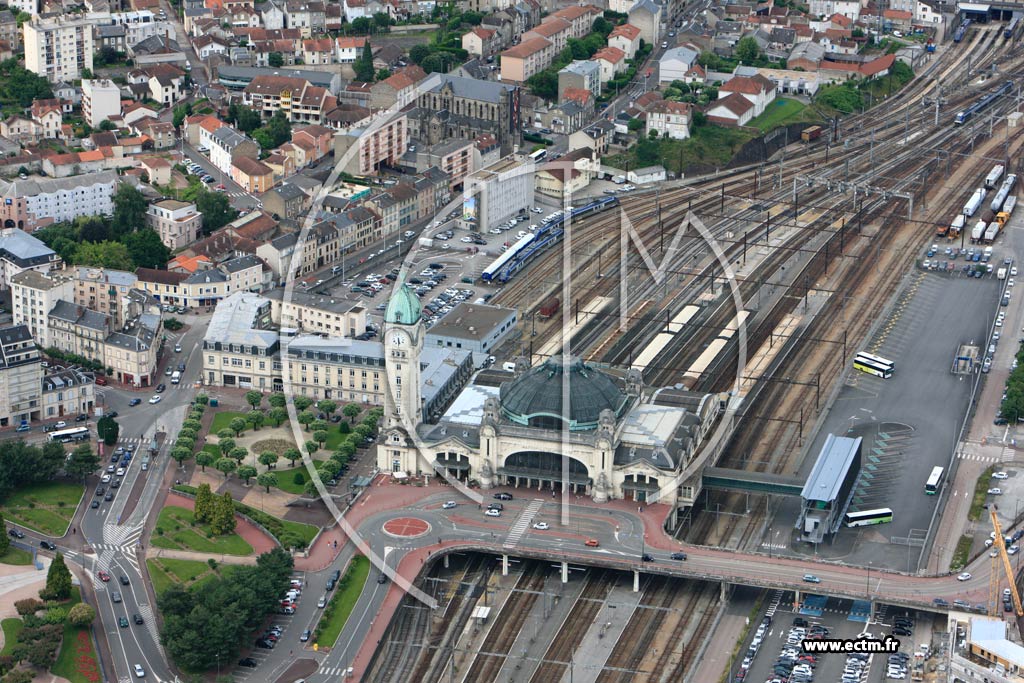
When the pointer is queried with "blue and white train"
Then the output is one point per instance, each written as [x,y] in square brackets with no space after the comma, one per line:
[519,254]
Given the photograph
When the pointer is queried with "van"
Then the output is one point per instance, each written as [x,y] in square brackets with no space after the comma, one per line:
[176,377]
[508,366]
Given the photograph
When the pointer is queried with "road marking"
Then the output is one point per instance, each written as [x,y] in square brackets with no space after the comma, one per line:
[523,523]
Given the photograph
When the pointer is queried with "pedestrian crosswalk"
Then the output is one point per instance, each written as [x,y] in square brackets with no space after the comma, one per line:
[523,523]
[974,457]
[332,671]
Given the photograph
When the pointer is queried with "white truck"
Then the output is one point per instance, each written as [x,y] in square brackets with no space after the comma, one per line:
[176,377]
[1001,274]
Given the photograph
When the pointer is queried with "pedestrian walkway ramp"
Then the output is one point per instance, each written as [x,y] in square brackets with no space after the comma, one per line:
[813,605]
[752,482]
[860,611]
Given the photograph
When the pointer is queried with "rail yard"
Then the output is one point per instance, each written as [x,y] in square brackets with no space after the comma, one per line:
[796,263]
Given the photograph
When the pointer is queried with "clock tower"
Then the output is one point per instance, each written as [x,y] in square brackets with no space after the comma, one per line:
[403,409]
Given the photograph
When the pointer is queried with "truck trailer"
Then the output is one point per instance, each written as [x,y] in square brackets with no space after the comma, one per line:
[1004,191]
[992,179]
[991,232]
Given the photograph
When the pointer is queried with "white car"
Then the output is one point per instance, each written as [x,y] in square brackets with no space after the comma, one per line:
[105,479]
[1013,271]
[966,576]
[491,512]
[61,424]
[542,526]
[139,671]
[156,399]
[989,542]
[995,492]
[449,505]
[120,471]
[322,602]
[1000,475]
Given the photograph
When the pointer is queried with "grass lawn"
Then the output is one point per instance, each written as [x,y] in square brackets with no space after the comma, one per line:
[46,508]
[77,659]
[286,479]
[343,601]
[708,145]
[16,556]
[780,112]
[980,494]
[962,553]
[222,420]
[307,532]
[166,572]
[178,533]
[12,628]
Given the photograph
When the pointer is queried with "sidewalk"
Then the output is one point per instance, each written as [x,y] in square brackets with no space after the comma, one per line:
[158,553]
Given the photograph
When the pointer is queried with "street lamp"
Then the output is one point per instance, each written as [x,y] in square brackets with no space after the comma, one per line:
[867,590]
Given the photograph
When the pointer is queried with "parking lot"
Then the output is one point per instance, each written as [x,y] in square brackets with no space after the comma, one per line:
[282,631]
[774,650]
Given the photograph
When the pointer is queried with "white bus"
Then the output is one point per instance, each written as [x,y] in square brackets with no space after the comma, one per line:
[874,365]
[931,487]
[71,434]
[539,155]
[868,517]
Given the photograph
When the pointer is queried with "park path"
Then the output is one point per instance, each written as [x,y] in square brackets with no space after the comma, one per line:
[171,554]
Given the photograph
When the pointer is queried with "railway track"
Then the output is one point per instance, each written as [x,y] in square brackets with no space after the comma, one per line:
[509,622]
[630,649]
[558,656]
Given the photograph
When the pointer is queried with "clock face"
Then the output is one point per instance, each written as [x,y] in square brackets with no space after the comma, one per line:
[398,339]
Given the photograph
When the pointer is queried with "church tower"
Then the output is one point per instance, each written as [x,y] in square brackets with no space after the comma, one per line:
[403,408]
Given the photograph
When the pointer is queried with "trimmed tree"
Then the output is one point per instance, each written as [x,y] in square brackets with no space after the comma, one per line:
[268,459]
[226,466]
[266,480]
[351,411]
[246,472]
[254,398]
[225,433]
[181,454]
[306,418]
[327,407]
[319,425]
[238,454]
[320,436]
[204,458]
[225,446]
[5,542]
[278,400]
[278,415]
[302,402]
[293,454]
[255,418]
[311,447]
[238,426]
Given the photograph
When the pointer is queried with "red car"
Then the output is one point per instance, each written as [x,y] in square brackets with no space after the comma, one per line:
[104,577]
[101,381]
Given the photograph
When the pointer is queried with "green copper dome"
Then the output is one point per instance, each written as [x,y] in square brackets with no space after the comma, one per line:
[403,307]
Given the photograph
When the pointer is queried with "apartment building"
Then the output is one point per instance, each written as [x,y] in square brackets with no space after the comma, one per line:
[669,119]
[496,193]
[253,176]
[300,100]
[316,314]
[33,296]
[101,99]
[21,252]
[105,291]
[68,391]
[58,48]
[36,202]
[239,349]
[227,145]
[362,150]
[20,377]
[533,55]
[178,223]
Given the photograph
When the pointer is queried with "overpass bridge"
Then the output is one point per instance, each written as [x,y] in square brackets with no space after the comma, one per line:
[752,482]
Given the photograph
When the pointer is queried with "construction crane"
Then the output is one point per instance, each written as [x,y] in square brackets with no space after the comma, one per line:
[999,544]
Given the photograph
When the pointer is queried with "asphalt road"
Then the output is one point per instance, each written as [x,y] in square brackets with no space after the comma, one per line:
[114,535]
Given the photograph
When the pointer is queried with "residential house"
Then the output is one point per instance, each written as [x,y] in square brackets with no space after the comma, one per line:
[207,45]
[669,119]
[757,89]
[49,114]
[178,223]
[480,41]
[730,110]
[396,207]
[21,129]
[252,175]
[227,146]
[162,133]
[625,37]
[316,141]
[318,51]
[612,61]
[675,63]
[272,14]
[198,128]
[157,169]
[136,111]
[597,136]
[309,17]
[285,201]
[348,48]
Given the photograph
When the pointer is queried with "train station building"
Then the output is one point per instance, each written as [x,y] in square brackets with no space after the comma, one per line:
[563,424]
